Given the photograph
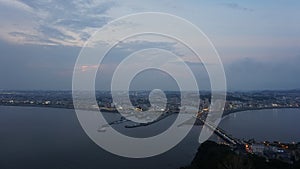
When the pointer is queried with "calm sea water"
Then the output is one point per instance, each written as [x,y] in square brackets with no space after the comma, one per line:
[48,138]
[264,125]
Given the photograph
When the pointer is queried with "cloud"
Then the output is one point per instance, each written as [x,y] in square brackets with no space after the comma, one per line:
[55,33]
[77,24]
[253,74]
[63,22]
[36,67]
[32,38]
[135,45]
[85,68]
[16,4]
[236,6]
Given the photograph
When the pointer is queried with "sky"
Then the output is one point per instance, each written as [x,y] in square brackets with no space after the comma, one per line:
[257,41]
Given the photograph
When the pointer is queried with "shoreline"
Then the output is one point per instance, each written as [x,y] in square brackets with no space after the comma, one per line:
[115,111]
[50,107]
[225,114]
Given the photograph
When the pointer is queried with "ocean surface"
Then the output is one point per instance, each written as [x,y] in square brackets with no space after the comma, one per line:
[264,125]
[50,138]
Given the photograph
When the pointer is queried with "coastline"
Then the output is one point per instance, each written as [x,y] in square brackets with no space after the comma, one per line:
[115,111]
[225,114]
[51,107]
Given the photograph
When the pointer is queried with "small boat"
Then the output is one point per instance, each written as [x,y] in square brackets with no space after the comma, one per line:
[102,129]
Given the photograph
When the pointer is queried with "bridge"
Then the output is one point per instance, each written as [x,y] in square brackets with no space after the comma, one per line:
[219,132]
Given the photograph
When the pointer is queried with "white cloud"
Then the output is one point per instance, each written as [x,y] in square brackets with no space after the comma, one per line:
[52,22]
[16,4]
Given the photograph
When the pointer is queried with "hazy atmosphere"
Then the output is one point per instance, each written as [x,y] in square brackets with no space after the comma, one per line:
[149,84]
[258,41]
